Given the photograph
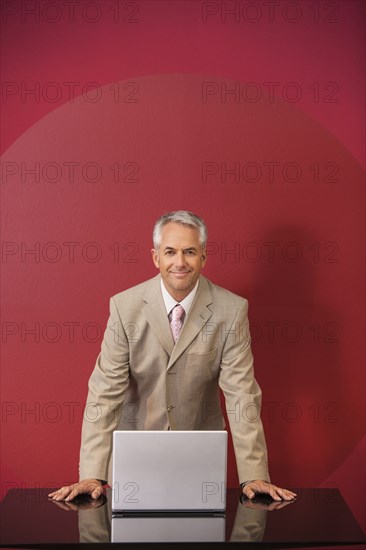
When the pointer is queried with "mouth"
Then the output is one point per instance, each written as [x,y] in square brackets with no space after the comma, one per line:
[179,274]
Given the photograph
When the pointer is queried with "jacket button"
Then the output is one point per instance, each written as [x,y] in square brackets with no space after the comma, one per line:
[170,408]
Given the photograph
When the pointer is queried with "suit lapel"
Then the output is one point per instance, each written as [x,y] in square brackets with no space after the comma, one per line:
[155,313]
[197,317]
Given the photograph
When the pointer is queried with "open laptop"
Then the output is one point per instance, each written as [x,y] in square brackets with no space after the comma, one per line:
[169,471]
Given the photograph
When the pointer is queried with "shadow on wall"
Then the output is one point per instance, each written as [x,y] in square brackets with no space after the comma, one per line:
[297,347]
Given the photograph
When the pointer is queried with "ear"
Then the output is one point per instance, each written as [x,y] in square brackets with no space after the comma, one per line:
[155,257]
[204,257]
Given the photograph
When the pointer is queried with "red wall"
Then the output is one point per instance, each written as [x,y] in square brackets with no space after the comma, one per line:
[252,119]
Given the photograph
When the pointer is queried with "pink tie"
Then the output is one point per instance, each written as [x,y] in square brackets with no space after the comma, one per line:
[177,321]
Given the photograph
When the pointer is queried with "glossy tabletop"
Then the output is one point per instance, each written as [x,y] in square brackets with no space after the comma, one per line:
[318,517]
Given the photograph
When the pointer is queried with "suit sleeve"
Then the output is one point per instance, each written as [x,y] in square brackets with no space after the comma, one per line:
[243,400]
[107,387]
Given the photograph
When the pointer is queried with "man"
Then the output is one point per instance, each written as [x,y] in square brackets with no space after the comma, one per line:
[170,343]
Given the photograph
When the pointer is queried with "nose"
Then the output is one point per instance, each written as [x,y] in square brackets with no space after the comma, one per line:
[180,261]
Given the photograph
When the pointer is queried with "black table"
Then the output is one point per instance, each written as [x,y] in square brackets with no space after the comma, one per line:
[318,517]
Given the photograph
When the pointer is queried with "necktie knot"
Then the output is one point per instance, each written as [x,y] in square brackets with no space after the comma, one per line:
[177,321]
[177,312]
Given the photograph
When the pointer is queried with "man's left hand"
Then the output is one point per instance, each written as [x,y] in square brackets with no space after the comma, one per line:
[258,486]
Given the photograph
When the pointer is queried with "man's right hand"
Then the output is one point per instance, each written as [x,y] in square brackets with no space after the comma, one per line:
[92,487]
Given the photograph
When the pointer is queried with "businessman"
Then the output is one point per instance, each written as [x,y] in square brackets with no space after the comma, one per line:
[170,344]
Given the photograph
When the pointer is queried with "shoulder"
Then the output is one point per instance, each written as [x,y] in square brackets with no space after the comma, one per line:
[224,295]
[137,292]
[224,303]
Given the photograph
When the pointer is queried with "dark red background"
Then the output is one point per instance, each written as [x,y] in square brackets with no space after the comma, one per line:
[291,241]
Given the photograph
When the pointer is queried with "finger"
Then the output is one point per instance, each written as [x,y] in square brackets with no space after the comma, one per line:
[285,494]
[272,490]
[86,487]
[254,487]
[263,487]
[97,492]
[56,493]
[62,493]
[248,491]
[77,490]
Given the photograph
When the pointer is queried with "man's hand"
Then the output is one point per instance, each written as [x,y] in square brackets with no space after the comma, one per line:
[91,487]
[258,486]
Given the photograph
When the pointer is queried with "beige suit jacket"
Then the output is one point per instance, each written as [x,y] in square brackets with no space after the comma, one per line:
[143,381]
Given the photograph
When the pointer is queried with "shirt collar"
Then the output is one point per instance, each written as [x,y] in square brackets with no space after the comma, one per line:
[170,302]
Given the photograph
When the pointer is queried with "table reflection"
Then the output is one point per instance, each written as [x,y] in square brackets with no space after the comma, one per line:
[97,523]
[317,517]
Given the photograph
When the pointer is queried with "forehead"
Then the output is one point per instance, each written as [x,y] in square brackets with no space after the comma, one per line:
[179,235]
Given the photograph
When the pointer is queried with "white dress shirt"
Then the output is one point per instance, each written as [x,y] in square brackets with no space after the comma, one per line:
[170,302]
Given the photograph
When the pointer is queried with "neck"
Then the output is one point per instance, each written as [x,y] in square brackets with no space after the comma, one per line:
[179,295]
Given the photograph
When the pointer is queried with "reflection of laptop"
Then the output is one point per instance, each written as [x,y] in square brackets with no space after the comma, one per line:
[169,471]
[173,528]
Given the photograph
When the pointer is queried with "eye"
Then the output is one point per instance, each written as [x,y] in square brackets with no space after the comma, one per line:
[169,252]
[190,253]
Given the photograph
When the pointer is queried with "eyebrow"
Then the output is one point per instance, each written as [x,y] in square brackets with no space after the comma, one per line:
[184,249]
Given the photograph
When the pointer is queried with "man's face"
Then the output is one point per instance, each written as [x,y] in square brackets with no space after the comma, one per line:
[179,258]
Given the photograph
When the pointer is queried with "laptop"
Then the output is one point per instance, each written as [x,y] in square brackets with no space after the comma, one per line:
[169,471]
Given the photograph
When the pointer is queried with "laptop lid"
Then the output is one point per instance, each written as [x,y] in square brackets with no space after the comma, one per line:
[169,471]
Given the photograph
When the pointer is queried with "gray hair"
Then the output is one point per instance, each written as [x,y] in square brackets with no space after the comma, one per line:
[185,218]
